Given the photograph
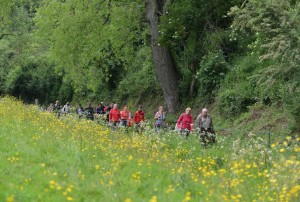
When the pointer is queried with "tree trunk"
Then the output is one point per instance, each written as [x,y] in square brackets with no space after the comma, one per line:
[192,86]
[164,65]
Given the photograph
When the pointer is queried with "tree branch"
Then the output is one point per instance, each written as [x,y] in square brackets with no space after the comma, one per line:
[108,15]
[99,6]
[2,35]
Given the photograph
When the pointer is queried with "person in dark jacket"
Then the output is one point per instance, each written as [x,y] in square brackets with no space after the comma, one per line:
[57,108]
[90,112]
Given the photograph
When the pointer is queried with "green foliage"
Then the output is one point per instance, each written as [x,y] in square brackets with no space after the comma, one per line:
[235,53]
[26,71]
[89,42]
[140,81]
[65,93]
[233,102]
[274,27]
[212,71]
[33,81]
[68,159]
[233,99]
[291,100]
[195,30]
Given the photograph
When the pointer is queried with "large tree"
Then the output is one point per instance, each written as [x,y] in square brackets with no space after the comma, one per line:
[84,35]
[162,57]
[96,43]
[198,36]
[25,69]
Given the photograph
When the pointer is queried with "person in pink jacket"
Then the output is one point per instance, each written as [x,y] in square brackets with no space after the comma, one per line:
[185,122]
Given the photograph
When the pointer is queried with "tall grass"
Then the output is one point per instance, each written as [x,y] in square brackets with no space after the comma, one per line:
[44,158]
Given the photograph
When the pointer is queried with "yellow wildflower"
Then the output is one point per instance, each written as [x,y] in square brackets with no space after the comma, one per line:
[10,198]
[153,199]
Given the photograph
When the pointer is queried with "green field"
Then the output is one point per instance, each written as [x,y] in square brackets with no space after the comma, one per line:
[44,158]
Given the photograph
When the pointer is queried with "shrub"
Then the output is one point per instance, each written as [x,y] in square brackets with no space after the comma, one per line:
[212,70]
[291,101]
[233,102]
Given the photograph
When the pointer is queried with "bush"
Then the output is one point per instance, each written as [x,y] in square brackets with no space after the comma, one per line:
[212,70]
[138,82]
[36,80]
[233,102]
[233,99]
[291,101]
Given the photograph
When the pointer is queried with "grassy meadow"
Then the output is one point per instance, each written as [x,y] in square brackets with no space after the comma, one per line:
[44,158]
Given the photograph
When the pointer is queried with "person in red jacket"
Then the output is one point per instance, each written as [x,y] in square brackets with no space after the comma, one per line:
[129,122]
[185,122]
[125,115]
[114,115]
[139,117]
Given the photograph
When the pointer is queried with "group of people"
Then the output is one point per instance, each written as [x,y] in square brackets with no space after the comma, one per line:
[124,117]
[203,122]
[114,116]
[111,113]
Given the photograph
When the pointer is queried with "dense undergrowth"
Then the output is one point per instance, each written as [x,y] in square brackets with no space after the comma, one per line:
[44,158]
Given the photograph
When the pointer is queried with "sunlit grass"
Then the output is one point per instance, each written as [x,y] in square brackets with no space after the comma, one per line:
[48,159]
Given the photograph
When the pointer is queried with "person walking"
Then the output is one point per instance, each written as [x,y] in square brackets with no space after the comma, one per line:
[205,125]
[66,109]
[80,111]
[107,110]
[56,108]
[50,107]
[204,121]
[114,115]
[185,122]
[102,107]
[90,112]
[160,118]
[125,115]
[139,118]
